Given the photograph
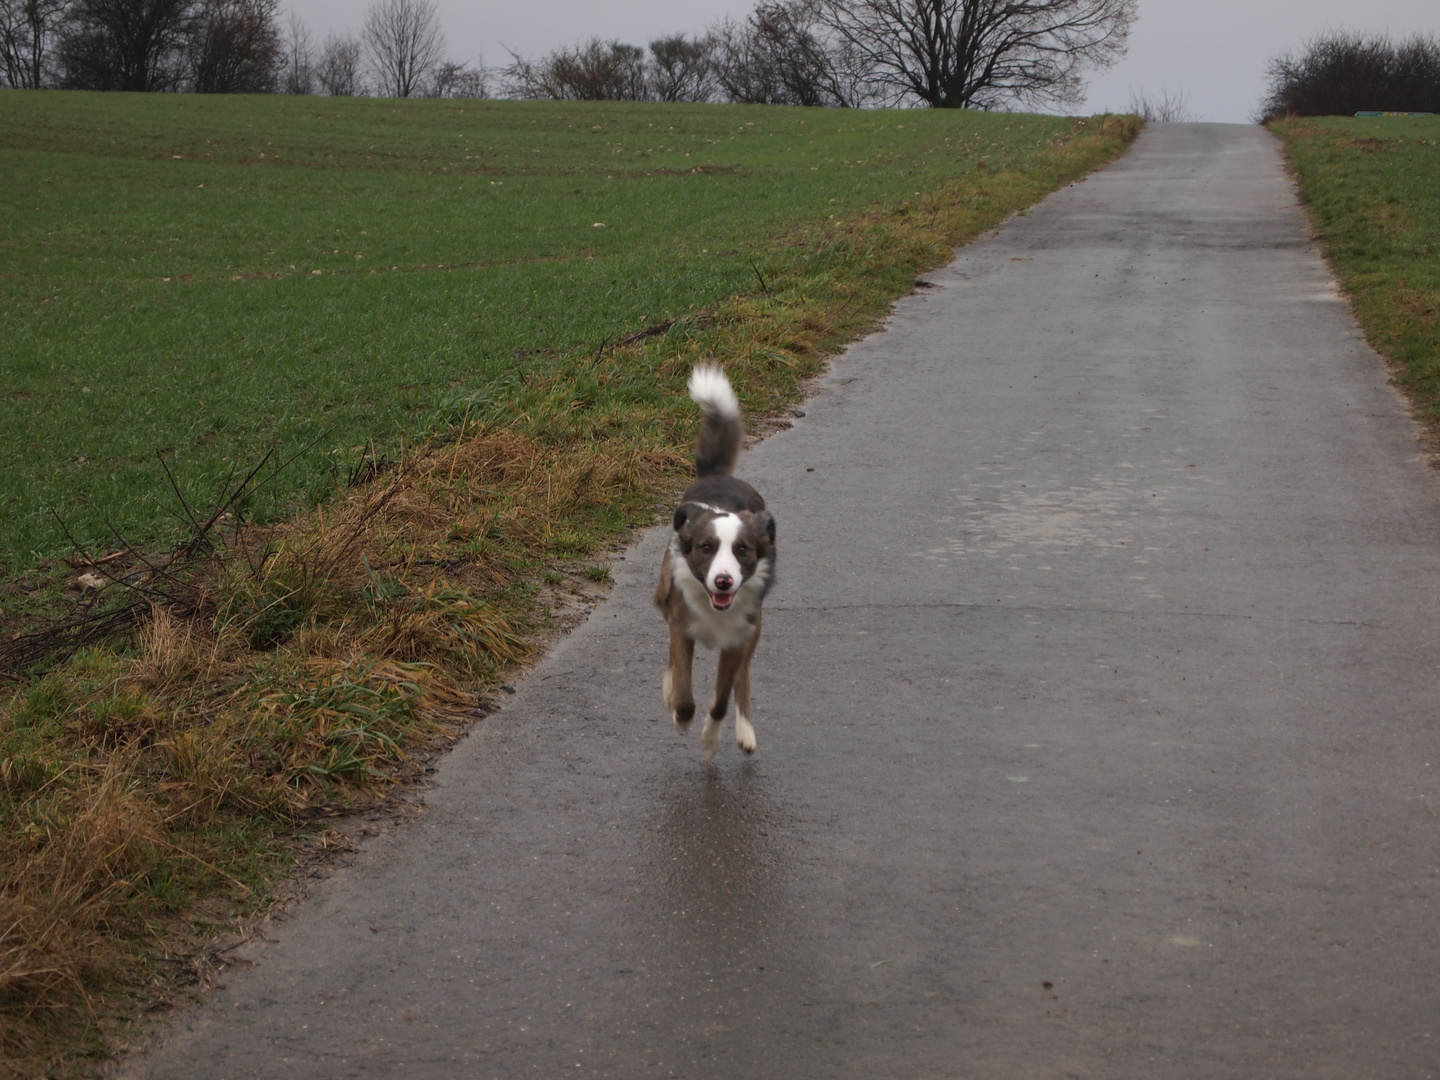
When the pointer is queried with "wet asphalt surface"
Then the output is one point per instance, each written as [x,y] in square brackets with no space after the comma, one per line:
[1096,714]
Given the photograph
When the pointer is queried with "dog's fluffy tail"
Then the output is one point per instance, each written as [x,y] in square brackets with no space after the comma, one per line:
[722,433]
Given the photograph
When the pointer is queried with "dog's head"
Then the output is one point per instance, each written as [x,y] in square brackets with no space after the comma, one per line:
[725,550]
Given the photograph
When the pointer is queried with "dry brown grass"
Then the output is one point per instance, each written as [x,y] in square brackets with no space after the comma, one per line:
[328,651]
[68,870]
[314,664]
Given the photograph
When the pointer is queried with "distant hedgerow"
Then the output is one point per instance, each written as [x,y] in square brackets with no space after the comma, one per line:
[1340,74]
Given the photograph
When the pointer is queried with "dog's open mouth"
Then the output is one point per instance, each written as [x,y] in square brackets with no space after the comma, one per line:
[721,601]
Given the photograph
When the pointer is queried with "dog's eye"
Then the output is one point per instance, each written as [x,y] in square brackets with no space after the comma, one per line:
[707,547]
[741,550]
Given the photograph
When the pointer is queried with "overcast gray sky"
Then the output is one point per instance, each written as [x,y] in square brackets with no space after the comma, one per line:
[1212,50]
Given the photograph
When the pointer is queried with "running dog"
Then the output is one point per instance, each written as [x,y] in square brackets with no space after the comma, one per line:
[720,565]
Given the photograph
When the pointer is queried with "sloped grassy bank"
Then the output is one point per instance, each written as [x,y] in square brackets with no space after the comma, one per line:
[305,668]
[1373,189]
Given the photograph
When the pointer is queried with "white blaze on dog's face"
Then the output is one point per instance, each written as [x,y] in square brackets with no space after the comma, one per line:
[724,550]
[724,574]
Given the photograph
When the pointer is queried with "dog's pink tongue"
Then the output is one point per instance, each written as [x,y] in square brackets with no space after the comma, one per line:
[721,601]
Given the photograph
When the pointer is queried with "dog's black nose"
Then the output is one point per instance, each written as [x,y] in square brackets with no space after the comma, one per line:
[723,582]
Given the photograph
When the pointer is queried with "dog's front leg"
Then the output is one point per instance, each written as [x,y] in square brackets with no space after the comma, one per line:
[744,730]
[675,688]
[730,661]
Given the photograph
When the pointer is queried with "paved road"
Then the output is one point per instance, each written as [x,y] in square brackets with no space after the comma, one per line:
[1096,716]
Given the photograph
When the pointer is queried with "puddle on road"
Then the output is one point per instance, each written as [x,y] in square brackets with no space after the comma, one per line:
[711,855]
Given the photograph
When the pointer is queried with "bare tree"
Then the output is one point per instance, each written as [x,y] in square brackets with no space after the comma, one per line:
[1163,109]
[984,53]
[784,54]
[125,44]
[1415,77]
[298,76]
[236,47]
[1339,74]
[458,80]
[682,68]
[404,43]
[338,71]
[26,30]
[592,71]
[742,69]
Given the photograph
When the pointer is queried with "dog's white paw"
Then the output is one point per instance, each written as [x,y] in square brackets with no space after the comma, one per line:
[667,688]
[744,735]
[710,737]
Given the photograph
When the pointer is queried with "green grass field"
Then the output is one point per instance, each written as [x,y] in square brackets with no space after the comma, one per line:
[1373,187]
[210,276]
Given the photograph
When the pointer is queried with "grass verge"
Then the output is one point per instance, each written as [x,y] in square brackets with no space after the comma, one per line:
[1373,190]
[308,665]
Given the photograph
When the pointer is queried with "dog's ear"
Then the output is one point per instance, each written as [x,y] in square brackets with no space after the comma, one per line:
[765,526]
[684,527]
[687,514]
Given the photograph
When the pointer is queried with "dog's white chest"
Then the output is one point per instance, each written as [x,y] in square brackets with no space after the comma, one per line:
[721,630]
